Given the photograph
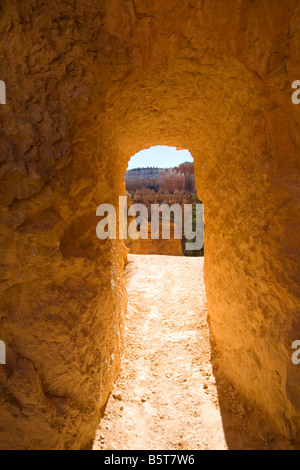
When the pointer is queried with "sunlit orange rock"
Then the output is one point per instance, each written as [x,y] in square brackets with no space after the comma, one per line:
[87,88]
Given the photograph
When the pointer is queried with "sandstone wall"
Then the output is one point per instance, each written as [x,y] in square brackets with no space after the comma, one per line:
[170,247]
[180,178]
[172,181]
[89,84]
[147,197]
[135,185]
[143,174]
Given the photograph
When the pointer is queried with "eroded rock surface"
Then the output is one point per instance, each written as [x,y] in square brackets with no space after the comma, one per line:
[89,84]
[167,396]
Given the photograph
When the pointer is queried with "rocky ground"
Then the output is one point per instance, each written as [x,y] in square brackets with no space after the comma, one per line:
[167,396]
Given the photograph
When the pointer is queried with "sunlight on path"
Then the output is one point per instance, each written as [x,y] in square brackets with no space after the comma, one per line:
[166,397]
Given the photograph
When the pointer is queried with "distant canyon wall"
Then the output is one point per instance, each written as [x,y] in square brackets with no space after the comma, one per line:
[181,178]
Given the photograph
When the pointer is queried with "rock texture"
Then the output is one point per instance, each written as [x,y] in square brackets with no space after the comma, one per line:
[143,177]
[148,197]
[166,387]
[172,247]
[180,178]
[89,84]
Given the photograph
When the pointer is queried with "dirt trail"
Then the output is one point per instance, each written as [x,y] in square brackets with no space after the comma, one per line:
[166,396]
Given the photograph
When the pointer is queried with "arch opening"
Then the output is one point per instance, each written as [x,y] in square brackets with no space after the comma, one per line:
[162,180]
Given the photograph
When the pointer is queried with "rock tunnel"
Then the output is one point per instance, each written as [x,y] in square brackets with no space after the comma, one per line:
[89,84]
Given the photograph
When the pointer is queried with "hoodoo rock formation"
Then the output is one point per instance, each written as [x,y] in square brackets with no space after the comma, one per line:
[170,186]
[171,247]
[88,85]
[180,178]
[143,178]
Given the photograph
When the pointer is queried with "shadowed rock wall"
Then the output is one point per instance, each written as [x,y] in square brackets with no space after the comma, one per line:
[89,84]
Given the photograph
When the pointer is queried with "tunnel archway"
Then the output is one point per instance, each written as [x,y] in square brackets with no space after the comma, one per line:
[232,152]
[110,95]
[155,177]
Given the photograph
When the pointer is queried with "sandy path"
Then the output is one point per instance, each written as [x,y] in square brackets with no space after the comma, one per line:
[166,397]
[164,404]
